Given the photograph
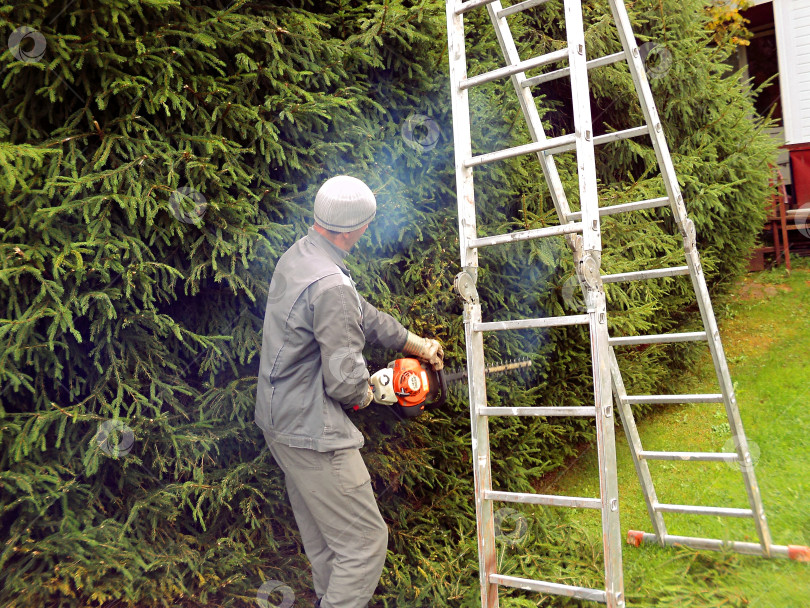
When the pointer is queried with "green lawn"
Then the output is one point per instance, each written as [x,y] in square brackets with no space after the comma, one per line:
[767,342]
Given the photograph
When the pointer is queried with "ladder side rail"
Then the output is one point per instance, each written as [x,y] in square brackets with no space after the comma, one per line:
[606,452]
[530,114]
[686,226]
[485,522]
[634,443]
[596,304]
[611,530]
[637,71]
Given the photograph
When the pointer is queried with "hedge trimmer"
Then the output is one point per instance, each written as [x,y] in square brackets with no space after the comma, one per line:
[411,385]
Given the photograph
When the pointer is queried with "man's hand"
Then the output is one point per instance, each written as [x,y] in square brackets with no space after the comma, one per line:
[426,349]
[367,400]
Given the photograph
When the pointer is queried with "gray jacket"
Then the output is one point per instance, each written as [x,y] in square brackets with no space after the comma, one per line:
[312,365]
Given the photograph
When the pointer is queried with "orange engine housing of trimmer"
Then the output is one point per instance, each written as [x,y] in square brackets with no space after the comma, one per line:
[411,382]
[416,385]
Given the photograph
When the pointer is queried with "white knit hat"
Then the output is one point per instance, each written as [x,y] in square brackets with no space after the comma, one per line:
[344,203]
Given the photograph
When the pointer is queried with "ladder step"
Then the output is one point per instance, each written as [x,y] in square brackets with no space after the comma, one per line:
[619,135]
[526,235]
[609,137]
[537,411]
[635,537]
[540,146]
[643,275]
[519,7]
[696,456]
[532,323]
[509,70]
[709,398]
[563,72]
[691,336]
[582,593]
[625,207]
[697,510]
[470,5]
[548,500]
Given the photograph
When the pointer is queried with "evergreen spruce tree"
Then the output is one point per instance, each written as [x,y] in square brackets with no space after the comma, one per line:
[159,155]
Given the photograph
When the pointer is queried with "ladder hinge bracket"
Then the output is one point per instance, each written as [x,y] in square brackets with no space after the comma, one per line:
[464,284]
[589,269]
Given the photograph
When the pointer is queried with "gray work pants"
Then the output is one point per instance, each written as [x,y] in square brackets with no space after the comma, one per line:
[345,537]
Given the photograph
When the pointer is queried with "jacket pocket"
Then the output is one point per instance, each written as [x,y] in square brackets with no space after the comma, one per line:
[328,412]
[269,389]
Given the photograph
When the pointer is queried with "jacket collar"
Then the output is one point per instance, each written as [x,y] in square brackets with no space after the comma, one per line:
[335,253]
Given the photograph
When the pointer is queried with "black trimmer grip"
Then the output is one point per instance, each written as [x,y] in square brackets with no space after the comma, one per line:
[439,398]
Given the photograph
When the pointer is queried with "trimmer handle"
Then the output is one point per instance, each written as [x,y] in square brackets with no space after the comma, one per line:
[436,398]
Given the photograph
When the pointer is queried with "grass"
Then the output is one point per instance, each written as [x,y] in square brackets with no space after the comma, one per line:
[766,336]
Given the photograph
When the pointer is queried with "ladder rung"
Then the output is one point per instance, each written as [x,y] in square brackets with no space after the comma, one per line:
[548,500]
[519,7]
[537,411]
[468,6]
[525,235]
[563,72]
[714,398]
[697,510]
[643,275]
[609,137]
[540,146]
[692,336]
[714,544]
[619,135]
[583,593]
[509,70]
[532,323]
[696,456]
[624,208]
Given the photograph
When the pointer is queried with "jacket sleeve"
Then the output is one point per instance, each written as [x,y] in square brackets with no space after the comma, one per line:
[339,333]
[381,328]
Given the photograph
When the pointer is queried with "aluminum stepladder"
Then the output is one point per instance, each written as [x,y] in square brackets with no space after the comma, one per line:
[582,231]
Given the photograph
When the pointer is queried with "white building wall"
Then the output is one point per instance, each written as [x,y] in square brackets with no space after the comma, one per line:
[792,23]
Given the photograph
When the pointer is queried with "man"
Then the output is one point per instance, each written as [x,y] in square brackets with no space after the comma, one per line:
[312,372]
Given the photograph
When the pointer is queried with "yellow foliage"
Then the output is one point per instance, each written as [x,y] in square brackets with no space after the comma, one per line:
[727,23]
